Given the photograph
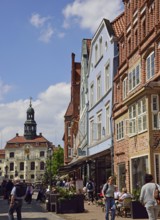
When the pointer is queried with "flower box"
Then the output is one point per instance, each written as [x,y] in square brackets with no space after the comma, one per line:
[74,204]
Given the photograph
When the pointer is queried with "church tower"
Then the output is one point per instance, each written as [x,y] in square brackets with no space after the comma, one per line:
[30,126]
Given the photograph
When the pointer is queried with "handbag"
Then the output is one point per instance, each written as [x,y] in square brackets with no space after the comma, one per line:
[157,194]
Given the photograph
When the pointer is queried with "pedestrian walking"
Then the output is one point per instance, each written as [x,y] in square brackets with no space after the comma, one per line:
[147,197]
[29,193]
[108,195]
[8,188]
[17,195]
[90,191]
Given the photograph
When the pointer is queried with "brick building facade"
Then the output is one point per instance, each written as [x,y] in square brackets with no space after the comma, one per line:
[136,95]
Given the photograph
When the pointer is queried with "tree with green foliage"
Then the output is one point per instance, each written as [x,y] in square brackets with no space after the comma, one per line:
[58,159]
[53,163]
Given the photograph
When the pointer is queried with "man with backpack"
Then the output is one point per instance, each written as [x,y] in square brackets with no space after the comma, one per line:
[90,191]
[17,195]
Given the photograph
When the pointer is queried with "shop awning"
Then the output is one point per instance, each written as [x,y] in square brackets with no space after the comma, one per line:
[78,162]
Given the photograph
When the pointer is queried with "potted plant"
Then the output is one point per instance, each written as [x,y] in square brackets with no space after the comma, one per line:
[68,201]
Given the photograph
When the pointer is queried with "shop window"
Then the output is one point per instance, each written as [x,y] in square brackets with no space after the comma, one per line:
[139,167]
[122,176]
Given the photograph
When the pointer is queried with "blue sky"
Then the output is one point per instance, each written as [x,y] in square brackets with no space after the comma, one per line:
[36,41]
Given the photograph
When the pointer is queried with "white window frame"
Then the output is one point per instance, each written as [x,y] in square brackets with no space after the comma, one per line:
[100,47]
[99,89]
[150,66]
[96,54]
[108,130]
[134,78]
[157,167]
[125,88]
[142,115]
[155,111]
[131,125]
[91,95]
[120,130]
[99,126]
[91,123]
[107,77]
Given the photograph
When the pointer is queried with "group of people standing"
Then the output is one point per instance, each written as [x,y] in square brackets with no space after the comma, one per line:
[146,197]
[15,192]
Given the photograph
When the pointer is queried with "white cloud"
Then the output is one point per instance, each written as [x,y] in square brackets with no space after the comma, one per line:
[89,13]
[44,26]
[50,107]
[37,21]
[46,34]
[4,89]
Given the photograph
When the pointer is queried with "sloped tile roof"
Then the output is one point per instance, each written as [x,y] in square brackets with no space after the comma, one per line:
[2,154]
[118,25]
[69,111]
[22,140]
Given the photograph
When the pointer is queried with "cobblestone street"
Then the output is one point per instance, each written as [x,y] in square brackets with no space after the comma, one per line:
[37,211]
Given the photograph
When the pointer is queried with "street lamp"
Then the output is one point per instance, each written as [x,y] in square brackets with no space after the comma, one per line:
[50,153]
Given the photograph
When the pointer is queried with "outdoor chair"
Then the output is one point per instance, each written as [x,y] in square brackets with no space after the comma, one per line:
[125,210]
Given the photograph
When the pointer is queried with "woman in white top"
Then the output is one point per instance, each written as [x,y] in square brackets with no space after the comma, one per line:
[147,197]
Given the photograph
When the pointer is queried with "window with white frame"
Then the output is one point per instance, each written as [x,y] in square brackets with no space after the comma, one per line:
[98,87]
[92,95]
[99,126]
[100,47]
[107,121]
[96,54]
[125,88]
[91,130]
[155,111]
[134,78]
[107,78]
[137,121]
[150,62]
[142,115]
[120,130]
[157,168]
[131,123]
